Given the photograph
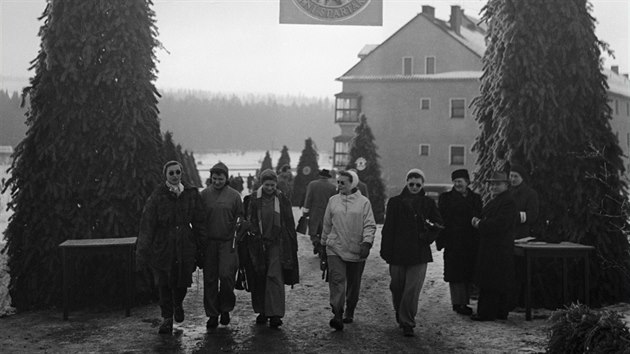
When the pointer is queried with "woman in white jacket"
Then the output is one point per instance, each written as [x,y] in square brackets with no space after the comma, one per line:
[348,234]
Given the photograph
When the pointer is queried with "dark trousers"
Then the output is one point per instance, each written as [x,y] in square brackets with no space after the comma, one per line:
[170,294]
[344,281]
[268,295]
[492,303]
[219,277]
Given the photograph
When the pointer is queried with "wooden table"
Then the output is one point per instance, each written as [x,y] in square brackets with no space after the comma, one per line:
[564,250]
[72,249]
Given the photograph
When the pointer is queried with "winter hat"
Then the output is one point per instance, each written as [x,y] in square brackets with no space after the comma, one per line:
[462,173]
[169,164]
[220,168]
[268,175]
[355,179]
[415,171]
[324,173]
[520,170]
[498,177]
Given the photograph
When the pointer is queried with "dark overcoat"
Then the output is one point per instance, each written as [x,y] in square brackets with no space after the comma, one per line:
[405,235]
[495,260]
[317,194]
[526,200]
[172,228]
[459,238]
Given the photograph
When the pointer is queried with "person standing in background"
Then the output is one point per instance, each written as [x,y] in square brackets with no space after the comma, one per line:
[526,200]
[348,234]
[223,207]
[411,225]
[172,229]
[459,239]
[318,192]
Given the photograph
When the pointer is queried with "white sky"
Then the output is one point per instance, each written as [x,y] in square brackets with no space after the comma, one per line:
[239,45]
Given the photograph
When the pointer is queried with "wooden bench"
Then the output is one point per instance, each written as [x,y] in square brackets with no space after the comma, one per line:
[72,249]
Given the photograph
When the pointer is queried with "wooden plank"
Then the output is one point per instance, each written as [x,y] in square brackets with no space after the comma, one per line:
[99,242]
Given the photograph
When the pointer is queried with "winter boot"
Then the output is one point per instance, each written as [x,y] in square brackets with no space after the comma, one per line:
[166,327]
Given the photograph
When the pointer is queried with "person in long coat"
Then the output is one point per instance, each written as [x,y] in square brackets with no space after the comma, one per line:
[526,199]
[411,225]
[495,259]
[171,231]
[318,192]
[459,239]
[348,235]
[276,265]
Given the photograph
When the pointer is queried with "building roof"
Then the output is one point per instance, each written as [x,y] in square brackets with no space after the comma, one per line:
[452,75]
[6,149]
[618,84]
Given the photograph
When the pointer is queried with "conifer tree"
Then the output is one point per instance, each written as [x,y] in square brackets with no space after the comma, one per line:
[266,163]
[91,156]
[543,104]
[364,158]
[307,170]
[284,158]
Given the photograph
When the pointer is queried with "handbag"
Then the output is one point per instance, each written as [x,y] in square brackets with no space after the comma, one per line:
[302,225]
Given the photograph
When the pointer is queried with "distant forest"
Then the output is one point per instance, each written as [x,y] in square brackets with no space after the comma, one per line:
[202,121]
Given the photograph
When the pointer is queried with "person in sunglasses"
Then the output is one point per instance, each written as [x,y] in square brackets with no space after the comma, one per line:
[412,223]
[171,230]
[348,234]
[459,239]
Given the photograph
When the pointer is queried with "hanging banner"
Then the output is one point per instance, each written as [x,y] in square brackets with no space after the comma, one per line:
[332,12]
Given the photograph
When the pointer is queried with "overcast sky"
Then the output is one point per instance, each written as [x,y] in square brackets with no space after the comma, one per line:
[239,45]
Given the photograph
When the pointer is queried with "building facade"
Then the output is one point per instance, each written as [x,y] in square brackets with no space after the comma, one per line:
[415,89]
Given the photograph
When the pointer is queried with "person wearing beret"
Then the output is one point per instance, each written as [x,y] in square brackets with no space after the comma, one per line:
[223,207]
[459,238]
[495,259]
[411,225]
[270,214]
[526,200]
[317,194]
[172,228]
[347,236]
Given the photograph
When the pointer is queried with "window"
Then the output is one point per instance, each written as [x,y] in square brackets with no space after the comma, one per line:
[407,66]
[458,108]
[616,106]
[347,107]
[458,157]
[341,153]
[429,65]
[424,150]
[425,104]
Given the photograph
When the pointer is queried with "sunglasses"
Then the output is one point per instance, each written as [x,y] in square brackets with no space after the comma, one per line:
[341,182]
[414,185]
[176,172]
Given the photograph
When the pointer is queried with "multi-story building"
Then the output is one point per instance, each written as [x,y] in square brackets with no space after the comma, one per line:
[415,89]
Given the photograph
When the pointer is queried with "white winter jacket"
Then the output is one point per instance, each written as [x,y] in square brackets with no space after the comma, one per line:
[348,221]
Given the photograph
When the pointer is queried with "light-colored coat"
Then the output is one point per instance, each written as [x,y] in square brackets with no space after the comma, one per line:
[348,222]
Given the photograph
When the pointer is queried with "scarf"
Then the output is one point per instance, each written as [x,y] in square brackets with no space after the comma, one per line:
[177,189]
[276,215]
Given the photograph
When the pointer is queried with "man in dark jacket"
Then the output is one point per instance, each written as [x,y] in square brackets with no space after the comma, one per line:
[171,230]
[411,225]
[317,194]
[459,239]
[223,207]
[495,261]
[526,200]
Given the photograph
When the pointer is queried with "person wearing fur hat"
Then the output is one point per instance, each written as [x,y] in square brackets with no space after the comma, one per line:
[318,192]
[411,224]
[526,200]
[172,228]
[459,239]
[347,236]
[223,207]
[271,216]
[495,258]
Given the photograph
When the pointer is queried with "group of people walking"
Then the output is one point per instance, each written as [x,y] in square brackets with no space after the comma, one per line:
[255,238]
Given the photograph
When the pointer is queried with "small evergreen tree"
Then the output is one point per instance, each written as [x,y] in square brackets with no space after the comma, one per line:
[91,156]
[266,164]
[284,159]
[364,158]
[543,104]
[307,170]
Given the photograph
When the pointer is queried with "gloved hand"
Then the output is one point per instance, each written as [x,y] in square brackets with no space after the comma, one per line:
[365,249]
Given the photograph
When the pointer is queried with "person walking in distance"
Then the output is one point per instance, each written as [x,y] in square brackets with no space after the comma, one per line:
[348,235]
[318,192]
[411,225]
[223,207]
[172,229]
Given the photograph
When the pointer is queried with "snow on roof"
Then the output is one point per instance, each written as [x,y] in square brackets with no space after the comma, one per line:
[367,49]
[6,149]
[618,84]
[452,75]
